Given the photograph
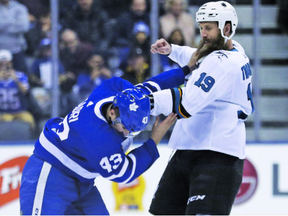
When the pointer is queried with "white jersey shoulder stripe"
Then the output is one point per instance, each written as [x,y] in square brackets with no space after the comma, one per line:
[65,160]
[97,110]
[154,84]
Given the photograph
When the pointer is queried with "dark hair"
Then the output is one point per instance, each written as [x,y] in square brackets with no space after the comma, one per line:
[169,40]
[100,53]
[116,110]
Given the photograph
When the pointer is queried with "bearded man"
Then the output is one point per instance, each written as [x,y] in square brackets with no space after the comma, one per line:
[205,173]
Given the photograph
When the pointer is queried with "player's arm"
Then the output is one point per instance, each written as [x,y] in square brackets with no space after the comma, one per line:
[125,168]
[172,78]
[179,54]
[201,90]
[167,101]
[168,79]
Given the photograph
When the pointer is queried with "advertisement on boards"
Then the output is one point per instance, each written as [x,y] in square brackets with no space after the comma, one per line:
[12,161]
[264,188]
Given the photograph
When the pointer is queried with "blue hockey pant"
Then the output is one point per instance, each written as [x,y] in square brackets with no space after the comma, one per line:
[46,190]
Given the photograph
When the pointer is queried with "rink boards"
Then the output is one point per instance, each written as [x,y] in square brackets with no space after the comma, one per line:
[264,189]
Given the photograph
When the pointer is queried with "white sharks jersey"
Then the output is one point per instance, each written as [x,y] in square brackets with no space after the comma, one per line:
[213,104]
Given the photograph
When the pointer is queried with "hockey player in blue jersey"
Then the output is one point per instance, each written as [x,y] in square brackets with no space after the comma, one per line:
[91,141]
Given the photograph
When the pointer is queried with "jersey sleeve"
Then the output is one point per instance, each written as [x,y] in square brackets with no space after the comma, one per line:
[201,90]
[171,78]
[168,79]
[181,54]
[114,165]
[137,162]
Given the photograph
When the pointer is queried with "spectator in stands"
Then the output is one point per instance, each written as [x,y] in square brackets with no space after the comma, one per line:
[65,6]
[136,70]
[41,76]
[139,43]
[41,30]
[73,52]
[176,16]
[14,22]
[91,23]
[115,7]
[35,8]
[88,80]
[176,37]
[13,89]
[127,20]
[41,71]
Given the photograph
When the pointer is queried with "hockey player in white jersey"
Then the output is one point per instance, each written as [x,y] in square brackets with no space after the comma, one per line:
[205,173]
[91,141]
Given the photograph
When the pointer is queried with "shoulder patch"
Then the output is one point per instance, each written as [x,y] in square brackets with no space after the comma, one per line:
[221,54]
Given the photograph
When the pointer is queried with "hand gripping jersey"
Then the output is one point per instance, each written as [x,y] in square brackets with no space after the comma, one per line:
[84,145]
[213,104]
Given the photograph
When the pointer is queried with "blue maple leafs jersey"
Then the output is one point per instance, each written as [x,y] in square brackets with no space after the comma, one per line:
[11,98]
[84,145]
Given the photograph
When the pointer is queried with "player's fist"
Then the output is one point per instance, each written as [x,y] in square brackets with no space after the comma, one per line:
[161,46]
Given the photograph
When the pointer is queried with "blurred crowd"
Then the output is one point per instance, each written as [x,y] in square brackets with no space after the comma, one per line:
[97,40]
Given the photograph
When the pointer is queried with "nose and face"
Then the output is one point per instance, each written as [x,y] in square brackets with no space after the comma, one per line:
[177,7]
[209,32]
[120,128]
[70,40]
[139,7]
[113,116]
[5,67]
[211,39]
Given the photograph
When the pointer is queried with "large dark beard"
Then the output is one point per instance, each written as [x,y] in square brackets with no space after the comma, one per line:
[214,44]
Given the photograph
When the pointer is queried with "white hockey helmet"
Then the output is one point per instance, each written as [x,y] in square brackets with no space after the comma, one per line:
[220,12]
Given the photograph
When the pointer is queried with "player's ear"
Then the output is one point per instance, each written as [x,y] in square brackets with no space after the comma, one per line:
[112,113]
[227,29]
